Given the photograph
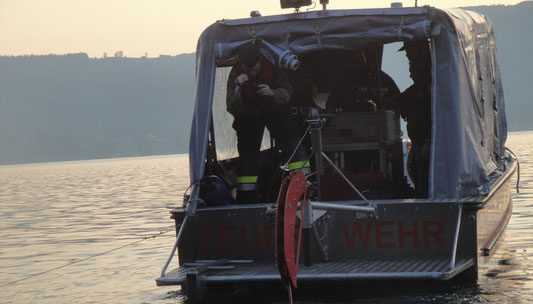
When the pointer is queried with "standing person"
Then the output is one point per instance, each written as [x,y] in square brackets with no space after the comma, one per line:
[257,97]
[414,105]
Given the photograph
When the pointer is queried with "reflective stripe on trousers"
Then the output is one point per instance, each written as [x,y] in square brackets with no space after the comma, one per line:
[247,183]
[300,166]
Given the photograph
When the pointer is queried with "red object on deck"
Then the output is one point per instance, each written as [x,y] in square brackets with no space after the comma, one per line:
[293,190]
[280,253]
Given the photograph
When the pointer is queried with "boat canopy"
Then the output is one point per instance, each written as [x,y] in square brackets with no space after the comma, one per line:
[469,127]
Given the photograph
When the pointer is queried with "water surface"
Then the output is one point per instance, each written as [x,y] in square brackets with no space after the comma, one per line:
[56,214]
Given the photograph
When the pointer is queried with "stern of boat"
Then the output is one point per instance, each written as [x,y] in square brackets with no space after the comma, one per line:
[402,240]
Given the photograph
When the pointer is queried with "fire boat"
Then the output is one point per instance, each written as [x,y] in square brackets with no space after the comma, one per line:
[355,217]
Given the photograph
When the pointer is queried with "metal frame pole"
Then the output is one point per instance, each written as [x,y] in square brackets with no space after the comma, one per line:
[180,232]
[456,237]
[316,142]
[324,4]
[345,178]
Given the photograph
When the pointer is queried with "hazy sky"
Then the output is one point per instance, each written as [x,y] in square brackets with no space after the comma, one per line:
[137,27]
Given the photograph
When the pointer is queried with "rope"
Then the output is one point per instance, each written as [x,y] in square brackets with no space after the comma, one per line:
[315,172]
[88,258]
[284,165]
[298,145]
[518,169]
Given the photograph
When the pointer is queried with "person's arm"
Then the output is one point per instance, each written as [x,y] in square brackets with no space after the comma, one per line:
[282,88]
[402,103]
[234,102]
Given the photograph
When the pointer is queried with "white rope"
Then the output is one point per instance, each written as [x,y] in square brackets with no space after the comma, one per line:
[153,236]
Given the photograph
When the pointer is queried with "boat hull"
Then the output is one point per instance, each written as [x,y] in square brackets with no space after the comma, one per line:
[406,239]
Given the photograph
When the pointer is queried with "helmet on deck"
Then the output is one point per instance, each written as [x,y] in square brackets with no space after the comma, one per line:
[214,192]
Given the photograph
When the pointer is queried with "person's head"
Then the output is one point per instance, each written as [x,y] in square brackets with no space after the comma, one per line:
[249,58]
[419,59]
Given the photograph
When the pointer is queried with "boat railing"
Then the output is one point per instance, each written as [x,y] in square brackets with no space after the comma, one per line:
[190,210]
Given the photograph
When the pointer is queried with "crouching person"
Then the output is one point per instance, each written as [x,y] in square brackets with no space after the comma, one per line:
[257,97]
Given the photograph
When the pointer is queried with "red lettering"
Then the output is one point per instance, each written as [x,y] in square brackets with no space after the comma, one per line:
[243,239]
[380,234]
[269,237]
[224,238]
[434,233]
[204,237]
[357,229]
[413,233]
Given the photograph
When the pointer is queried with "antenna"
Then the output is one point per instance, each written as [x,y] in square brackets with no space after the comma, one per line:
[324,4]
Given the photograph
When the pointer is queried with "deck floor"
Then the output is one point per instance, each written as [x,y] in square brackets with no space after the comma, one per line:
[341,270]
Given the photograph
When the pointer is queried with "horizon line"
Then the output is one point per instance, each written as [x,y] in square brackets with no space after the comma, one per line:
[96,57]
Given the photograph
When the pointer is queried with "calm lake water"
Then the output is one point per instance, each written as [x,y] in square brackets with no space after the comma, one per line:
[54,215]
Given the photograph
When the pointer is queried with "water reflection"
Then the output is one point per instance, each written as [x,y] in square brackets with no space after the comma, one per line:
[53,214]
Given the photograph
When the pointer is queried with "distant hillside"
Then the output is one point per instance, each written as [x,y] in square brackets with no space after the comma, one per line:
[69,107]
[513,27]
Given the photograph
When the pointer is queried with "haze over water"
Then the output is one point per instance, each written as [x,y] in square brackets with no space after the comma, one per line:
[55,214]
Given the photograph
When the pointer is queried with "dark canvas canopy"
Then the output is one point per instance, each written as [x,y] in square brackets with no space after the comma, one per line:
[469,127]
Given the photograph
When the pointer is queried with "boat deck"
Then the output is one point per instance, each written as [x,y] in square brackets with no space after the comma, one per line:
[436,269]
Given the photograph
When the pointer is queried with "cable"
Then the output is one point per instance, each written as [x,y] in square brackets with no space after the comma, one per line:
[378,69]
[518,170]
[285,164]
[297,146]
[317,171]
[88,258]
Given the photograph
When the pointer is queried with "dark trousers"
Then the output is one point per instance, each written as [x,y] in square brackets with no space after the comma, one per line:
[283,128]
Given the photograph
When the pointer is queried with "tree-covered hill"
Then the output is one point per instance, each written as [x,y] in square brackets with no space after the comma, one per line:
[69,107]
[72,107]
